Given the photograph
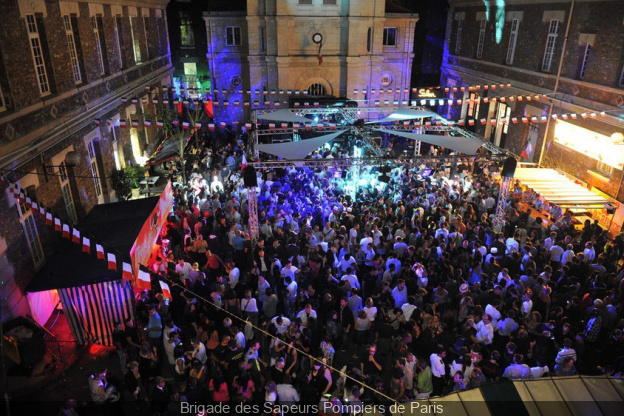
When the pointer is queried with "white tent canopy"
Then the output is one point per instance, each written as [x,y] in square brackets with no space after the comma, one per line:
[404,114]
[557,188]
[285,116]
[467,145]
[297,150]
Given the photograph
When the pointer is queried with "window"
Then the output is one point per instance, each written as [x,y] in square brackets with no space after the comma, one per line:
[604,169]
[390,36]
[460,27]
[67,195]
[550,45]
[330,2]
[305,1]
[584,64]
[32,234]
[513,37]
[117,30]
[369,39]
[186,30]
[474,102]
[94,168]
[158,27]
[37,54]
[136,48]
[99,44]
[262,40]
[233,36]
[2,102]
[73,53]
[481,38]
[145,25]
[317,89]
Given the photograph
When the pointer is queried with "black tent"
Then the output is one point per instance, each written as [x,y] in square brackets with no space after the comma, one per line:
[92,295]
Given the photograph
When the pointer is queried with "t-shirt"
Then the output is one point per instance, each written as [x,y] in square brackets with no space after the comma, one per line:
[425,382]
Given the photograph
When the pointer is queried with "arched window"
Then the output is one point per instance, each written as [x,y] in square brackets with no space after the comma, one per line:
[317,89]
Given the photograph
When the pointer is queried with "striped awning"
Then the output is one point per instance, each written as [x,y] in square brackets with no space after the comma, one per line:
[558,189]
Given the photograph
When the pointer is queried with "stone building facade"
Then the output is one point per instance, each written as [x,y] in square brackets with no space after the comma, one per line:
[322,47]
[572,51]
[64,68]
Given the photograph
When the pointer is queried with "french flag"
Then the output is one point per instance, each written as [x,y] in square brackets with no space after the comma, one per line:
[471,122]
[147,123]
[86,245]
[48,219]
[248,126]
[185,125]
[284,125]
[66,231]
[295,125]
[159,124]
[144,281]
[493,121]
[271,126]
[525,120]
[112,262]
[75,236]
[57,224]
[534,119]
[165,290]
[514,120]
[461,123]
[427,124]
[308,126]
[332,126]
[483,121]
[243,162]
[222,124]
[211,126]
[122,122]
[126,271]
[28,203]
[100,251]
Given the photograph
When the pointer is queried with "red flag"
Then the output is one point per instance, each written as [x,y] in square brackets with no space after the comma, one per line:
[144,281]
[100,251]
[112,262]
[86,245]
[179,107]
[320,54]
[126,272]
[66,231]
[75,236]
[165,290]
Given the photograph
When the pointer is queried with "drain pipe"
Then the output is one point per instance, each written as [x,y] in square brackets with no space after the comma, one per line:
[550,111]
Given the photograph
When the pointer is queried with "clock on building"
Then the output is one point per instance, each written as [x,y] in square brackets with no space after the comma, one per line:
[317,38]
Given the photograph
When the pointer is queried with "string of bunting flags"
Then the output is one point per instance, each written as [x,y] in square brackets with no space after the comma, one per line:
[74,235]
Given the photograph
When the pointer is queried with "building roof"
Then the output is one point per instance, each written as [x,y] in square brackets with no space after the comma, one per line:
[402,6]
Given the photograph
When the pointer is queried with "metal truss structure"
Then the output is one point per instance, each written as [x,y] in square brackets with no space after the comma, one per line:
[499,216]
[365,133]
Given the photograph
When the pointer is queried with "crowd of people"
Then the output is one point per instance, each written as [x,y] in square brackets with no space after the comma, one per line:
[398,291]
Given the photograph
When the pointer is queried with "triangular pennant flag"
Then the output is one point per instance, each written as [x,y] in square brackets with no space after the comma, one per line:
[126,271]
[86,245]
[66,231]
[165,290]
[144,281]
[100,251]
[75,236]
[112,262]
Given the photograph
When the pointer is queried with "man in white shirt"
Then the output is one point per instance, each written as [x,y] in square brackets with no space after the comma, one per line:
[492,310]
[438,370]
[286,393]
[485,331]
[568,255]
[351,278]
[281,323]
[347,262]
[507,325]
[289,271]
[589,254]
[399,293]
[306,313]
[199,351]
[233,274]
[183,269]
[408,308]
[518,369]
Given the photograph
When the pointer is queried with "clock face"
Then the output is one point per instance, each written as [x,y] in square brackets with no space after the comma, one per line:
[317,38]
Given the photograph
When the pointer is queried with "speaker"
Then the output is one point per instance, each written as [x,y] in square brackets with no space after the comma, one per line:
[249,177]
[509,167]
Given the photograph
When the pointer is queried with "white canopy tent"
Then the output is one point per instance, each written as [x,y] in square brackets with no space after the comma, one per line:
[299,149]
[558,188]
[467,145]
[405,114]
[283,115]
